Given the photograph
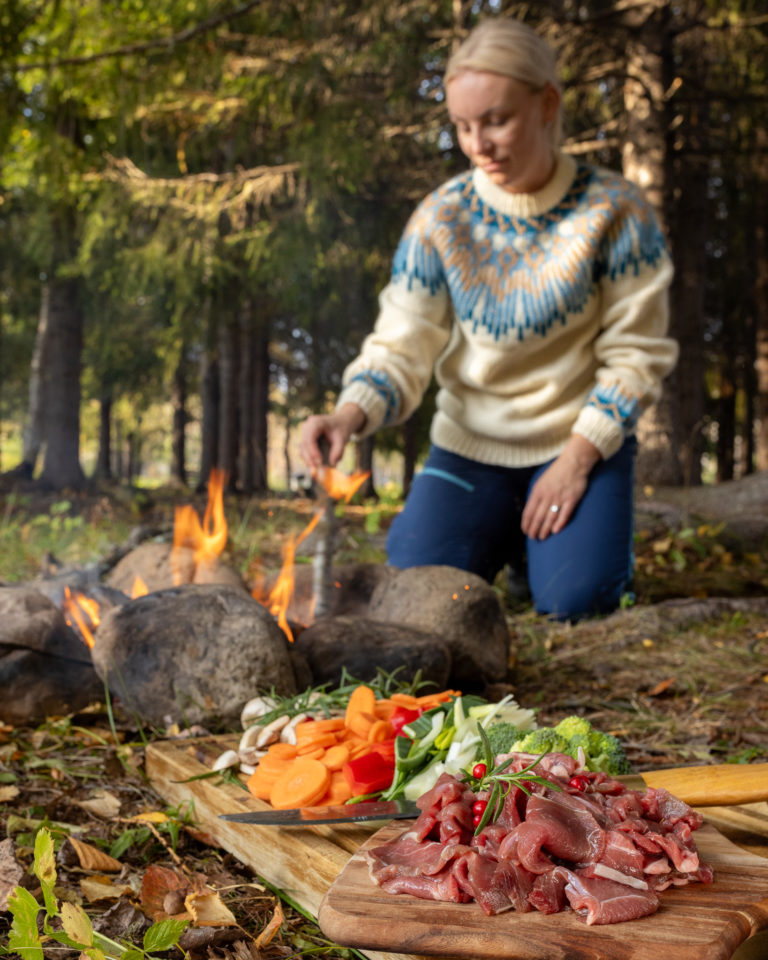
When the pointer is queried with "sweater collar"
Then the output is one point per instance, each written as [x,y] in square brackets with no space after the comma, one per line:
[527,204]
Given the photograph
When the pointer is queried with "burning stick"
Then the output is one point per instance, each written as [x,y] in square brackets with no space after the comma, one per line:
[336,486]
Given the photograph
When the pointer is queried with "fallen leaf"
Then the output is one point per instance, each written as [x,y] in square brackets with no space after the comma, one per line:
[661,687]
[101,804]
[92,858]
[151,816]
[12,873]
[208,910]
[268,933]
[96,889]
[8,793]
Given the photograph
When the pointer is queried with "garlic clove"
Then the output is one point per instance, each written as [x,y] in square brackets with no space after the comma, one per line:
[225,760]
[255,708]
[271,733]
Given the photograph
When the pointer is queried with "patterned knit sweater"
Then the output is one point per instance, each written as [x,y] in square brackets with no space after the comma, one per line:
[540,314]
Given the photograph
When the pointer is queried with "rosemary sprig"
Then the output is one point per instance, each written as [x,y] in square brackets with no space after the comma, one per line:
[498,780]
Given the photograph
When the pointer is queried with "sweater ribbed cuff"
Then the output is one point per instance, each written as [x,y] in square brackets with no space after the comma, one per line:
[369,401]
[601,430]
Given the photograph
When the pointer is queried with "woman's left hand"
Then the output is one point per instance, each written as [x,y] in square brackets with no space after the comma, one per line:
[556,493]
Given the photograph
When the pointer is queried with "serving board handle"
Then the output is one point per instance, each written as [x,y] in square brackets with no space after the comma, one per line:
[710,786]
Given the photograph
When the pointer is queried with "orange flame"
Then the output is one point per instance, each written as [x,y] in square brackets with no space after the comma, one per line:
[338,485]
[208,539]
[139,588]
[82,612]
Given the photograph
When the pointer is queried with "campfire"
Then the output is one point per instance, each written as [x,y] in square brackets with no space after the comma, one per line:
[177,634]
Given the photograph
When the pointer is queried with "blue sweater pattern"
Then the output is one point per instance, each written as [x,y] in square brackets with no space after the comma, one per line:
[519,276]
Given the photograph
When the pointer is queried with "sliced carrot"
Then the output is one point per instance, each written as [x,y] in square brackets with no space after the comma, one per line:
[338,792]
[335,757]
[303,785]
[384,709]
[274,764]
[358,749]
[307,744]
[361,722]
[380,730]
[405,700]
[430,700]
[285,751]
[314,753]
[361,700]
[260,786]
[312,727]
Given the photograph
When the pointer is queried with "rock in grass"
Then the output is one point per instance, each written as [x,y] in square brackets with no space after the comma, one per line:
[192,653]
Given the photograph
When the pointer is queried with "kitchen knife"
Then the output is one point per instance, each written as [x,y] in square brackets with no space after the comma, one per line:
[703,786]
[344,813]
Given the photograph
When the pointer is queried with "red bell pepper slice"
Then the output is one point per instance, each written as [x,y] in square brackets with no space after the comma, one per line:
[402,716]
[369,773]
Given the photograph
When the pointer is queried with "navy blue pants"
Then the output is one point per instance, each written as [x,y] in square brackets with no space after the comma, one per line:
[465,514]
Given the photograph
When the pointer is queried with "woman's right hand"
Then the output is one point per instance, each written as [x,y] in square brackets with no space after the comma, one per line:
[336,428]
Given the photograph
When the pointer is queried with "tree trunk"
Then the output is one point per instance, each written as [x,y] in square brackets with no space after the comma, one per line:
[34,433]
[646,160]
[260,399]
[364,456]
[245,398]
[61,466]
[228,411]
[761,306]
[209,387]
[104,459]
[179,438]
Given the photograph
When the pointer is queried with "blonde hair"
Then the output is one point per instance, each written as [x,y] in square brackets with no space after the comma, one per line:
[512,49]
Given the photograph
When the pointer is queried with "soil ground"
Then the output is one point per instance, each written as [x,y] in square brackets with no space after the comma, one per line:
[681,675]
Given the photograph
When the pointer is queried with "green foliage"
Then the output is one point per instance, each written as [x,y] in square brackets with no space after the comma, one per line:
[76,930]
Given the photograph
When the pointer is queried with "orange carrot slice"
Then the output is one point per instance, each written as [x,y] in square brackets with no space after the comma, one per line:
[304,784]
[384,709]
[308,744]
[259,786]
[284,751]
[361,700]
[316,727]
[380,730]
[335,757]
[360,723]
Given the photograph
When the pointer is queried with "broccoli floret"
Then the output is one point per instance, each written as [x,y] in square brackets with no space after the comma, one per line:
[574,727]
[502,736]
[606,753]
[543,740]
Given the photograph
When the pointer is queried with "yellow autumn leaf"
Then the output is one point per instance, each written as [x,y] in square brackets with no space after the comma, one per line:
[208,910]
[8,792]
[91,858]
[97,889]
[661,546]
[76,924]
[268,933]
[151,816]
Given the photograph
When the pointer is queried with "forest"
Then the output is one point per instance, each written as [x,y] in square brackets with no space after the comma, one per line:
[200,199]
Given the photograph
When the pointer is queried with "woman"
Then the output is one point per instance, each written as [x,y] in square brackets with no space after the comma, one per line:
[535,287]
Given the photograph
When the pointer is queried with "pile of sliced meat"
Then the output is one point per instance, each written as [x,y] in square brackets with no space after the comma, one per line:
[605,851]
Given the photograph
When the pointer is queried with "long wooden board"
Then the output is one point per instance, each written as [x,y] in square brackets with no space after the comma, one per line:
[303,862]
[696,922]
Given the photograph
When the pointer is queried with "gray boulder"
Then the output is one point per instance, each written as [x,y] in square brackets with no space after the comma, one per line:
[459,608]
[363,646]
[192,653]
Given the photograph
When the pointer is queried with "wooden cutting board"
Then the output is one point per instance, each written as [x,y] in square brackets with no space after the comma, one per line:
[696,922]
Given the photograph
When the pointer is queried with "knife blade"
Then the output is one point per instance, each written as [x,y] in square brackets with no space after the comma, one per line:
[701,786]
[343,813]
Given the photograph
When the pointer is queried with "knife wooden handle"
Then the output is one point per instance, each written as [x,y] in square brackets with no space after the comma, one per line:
[720,785]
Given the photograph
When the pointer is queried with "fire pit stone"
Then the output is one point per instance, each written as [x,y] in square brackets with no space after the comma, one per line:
[192,652]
